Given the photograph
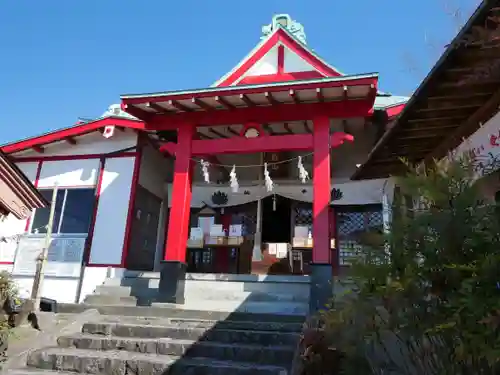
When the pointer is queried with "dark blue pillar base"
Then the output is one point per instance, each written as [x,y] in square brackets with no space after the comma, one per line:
[172,280]
[321,287]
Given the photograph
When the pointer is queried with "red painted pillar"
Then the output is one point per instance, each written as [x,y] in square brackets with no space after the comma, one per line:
[178,223]
[321,267]
[322,190]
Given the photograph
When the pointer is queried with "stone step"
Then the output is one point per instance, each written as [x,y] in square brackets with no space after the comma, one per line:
[123,362]
[34,371]
[194,293]
[170,312]
[277,326]
[283,308]
[264,338]
[104,299]
[270,355]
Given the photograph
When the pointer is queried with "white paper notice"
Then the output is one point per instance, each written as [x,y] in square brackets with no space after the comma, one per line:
[236,230]
[271,248]
[196,233]
[301,231]
[216,230]
[205,223]
[281,250]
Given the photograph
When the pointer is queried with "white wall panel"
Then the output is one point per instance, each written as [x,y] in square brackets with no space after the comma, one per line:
[111,220]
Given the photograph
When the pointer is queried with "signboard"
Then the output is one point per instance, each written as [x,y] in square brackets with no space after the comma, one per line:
[64,259]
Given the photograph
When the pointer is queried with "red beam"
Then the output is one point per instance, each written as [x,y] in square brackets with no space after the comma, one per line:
[71,132]
[262,115]
[39,149]
[294,142]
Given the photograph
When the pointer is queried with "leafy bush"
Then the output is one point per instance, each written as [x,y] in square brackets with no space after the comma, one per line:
[430,305]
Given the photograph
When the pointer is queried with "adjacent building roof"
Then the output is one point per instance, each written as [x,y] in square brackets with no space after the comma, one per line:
[18,196]
[450,104]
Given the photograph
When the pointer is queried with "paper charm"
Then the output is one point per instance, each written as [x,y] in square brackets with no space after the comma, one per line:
[303,174]
[267,179]
[108,131]
[234,180]
[204,169]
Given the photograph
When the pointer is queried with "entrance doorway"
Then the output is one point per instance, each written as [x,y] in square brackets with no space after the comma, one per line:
[276,219]
[143,235]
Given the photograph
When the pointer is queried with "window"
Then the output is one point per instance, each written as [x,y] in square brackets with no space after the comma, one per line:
[73,211]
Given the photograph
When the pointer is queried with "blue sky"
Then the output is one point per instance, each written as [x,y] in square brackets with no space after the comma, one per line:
[63,59]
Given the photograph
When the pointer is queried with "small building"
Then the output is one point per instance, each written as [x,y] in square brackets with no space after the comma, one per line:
[240,177]
[455,109]
[18,196]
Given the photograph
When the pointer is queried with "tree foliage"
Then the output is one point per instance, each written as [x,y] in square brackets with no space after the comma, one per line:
[426,295]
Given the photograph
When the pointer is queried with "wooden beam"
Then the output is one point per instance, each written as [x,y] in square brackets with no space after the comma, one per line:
[223,102]
[287,128]
[158,108]
[434,119]
[217,133]
[447,108]
[270,98]
[247,100]
[307,128]
[232,131]
[319,95]
[39,149]
[345,93]
[267,128]
[481,115]
[179,106]
[295,142]
[70,140]
[295,97]
[200,103]
[458,97]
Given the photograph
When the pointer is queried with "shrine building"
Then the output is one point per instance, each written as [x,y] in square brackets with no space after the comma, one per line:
[249,176]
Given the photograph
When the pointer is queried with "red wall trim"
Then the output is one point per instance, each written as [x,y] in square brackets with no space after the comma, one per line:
[131,204]
[9,263]
[280,77]
[27,159]
[35,184]
[88,244]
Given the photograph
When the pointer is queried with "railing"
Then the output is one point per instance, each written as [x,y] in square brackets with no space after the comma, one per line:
[65,255]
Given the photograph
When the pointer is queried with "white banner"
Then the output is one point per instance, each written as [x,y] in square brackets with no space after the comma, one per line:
[352,192]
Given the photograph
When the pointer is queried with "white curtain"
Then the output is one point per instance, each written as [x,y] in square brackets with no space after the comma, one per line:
[353,192]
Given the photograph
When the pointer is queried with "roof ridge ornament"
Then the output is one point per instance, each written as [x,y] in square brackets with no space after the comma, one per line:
[286,22]
[116,111]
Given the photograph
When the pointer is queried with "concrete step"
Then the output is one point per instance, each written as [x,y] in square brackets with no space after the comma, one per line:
[270,355]
[170,312]
[123,362]
[106,299]
[203,294]
[264,338]
[283,308]
[34,371]
[278,326]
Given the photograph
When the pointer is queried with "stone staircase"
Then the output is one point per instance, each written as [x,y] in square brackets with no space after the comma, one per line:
[286,295]
[174,342]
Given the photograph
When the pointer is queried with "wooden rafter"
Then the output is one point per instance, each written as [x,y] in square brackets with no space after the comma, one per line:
[223,102]
[295,97]
[247,100]
[271,99]
[307,128]
[179,106]
[319,95]
[217,133]
[267,128]
[287,128]
[71,140]
[156,107]
[200,103]
[232,131]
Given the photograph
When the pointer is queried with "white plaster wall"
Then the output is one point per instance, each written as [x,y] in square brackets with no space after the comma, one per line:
[267,64]
[93,143]
[154,171]
[69,173]
[295,63]
[112,211]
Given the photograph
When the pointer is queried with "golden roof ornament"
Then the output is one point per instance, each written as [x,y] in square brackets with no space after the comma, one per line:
[286,22]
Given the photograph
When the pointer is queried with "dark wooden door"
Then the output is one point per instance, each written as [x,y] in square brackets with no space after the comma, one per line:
[144,233]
